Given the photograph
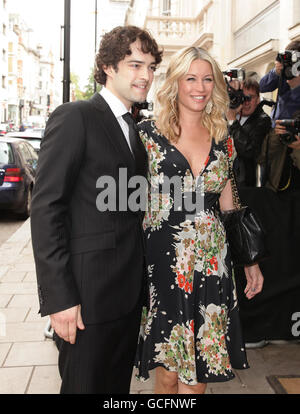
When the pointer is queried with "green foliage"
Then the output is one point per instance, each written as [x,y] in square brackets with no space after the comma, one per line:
[88,90]
[79,95]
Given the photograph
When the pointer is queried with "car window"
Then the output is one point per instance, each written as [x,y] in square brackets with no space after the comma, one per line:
[33,154]
[25,152]
[6,153]
[36,143]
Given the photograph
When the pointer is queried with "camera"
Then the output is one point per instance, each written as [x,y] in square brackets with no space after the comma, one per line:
[290,60]
[236,96]
[293,128]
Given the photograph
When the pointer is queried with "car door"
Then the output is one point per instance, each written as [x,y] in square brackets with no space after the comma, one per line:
[26,161]
[33,159]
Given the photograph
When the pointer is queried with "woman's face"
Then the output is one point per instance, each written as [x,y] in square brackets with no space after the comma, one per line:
[195,88]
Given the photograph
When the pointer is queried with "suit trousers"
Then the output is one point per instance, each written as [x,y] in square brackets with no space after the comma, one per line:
[102,358]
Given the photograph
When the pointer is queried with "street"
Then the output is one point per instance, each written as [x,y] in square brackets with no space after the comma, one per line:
[9,223]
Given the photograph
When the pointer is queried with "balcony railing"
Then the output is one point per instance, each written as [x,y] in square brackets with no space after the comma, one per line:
[174,27]
[180,31]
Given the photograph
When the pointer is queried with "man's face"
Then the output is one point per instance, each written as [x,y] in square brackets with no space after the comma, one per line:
[249,106]
[133,78]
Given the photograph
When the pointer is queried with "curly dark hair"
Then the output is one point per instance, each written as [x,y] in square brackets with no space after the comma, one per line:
[115,45]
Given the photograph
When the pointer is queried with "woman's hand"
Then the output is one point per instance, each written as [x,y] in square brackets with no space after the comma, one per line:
[255,281]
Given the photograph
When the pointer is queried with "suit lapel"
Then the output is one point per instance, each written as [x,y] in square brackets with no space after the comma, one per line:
[112,129]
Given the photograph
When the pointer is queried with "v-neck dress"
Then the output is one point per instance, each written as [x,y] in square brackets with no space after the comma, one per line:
[191,323]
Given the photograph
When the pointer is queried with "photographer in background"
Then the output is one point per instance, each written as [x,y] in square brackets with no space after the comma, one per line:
[289,89]
[290,171]
[280,129]
[248,126]
[283,156]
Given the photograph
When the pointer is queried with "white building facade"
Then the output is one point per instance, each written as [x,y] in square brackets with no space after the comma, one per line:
[33,87]
[13,87]
[3,61]
[236,33]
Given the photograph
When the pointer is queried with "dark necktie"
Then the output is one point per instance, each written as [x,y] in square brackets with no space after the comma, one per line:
[137,146]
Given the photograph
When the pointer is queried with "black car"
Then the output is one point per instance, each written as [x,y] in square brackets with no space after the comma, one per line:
[18,162]
[33,136]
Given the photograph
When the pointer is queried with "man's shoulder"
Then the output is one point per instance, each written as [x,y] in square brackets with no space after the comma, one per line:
[264,115]
[71,110]
[73,106]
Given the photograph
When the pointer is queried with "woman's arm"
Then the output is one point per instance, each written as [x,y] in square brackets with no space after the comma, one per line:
[253,273]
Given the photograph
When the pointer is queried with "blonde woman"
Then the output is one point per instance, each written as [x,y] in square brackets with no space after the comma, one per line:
[191,331]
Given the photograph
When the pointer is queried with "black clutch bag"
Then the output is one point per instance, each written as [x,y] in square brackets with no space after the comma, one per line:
[245,234]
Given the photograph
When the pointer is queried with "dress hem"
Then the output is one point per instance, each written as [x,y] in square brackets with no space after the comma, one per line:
[141,378]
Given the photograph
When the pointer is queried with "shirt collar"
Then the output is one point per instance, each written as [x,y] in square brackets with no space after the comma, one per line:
[117,107]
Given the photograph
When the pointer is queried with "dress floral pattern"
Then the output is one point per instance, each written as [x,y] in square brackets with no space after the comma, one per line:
[191,323]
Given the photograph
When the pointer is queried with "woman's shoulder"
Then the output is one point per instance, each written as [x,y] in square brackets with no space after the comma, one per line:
[149,127]
[146,125]
[227,145]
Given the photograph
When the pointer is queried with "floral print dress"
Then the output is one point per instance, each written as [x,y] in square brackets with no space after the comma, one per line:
[191,323]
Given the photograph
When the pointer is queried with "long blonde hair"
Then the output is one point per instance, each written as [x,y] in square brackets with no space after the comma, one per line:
[167,108]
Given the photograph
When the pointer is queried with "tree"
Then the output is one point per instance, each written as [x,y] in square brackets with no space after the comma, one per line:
[76,92]
[89,88]
[87,92]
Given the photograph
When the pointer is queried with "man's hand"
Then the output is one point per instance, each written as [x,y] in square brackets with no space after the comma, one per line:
[232,113]
[295,145]
[65,323]
[278,67]
[279,129]
[235,84]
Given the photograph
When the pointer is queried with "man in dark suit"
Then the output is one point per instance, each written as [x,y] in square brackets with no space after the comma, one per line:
[89,262]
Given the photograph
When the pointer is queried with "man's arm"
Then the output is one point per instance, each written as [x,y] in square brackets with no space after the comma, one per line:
[59,162]
[269,82]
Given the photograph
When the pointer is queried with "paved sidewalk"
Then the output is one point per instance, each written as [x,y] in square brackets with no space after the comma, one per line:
[28,361]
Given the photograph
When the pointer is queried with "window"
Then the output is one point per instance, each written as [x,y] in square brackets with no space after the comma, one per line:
[166,7]
[4,55]
[6,154]
[33,154]
[4,4]
[10,64]
[25,152]
[4,29]
[3,82]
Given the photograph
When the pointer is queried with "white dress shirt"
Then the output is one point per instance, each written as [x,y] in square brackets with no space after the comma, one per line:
[118,109]
[242,119]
